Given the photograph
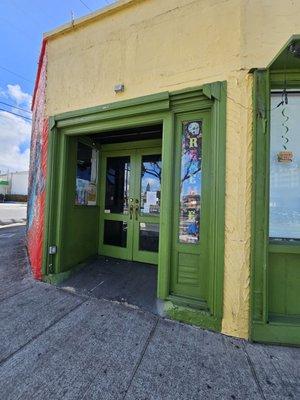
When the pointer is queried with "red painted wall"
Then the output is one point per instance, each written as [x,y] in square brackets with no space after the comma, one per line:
[38,169]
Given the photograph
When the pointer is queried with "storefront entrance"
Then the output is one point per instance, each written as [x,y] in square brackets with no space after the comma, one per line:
[130,202]
[143,181]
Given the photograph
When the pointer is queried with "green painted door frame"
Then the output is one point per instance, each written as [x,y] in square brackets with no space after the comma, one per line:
[189,254]
[62,216]
[271,261]
[132,220]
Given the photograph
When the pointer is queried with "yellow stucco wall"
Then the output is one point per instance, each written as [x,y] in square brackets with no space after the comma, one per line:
[153,46]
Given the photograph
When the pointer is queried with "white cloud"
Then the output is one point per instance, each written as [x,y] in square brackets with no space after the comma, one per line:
[21,98]
[3,93]
[15,132]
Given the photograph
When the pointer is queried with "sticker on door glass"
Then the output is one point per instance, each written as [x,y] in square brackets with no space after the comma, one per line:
[190,183]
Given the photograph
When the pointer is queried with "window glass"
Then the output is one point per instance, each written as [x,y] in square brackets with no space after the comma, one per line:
[190,185]
[285,167]
[115,233]
[117,185]
[86,175]
[150,184]
[149,236]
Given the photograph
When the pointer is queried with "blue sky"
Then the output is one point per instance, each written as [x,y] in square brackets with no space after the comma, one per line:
[22,23]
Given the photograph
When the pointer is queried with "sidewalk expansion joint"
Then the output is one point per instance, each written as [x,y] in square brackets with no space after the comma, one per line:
[253,372]
[4,360]
[15,294]
[141,356]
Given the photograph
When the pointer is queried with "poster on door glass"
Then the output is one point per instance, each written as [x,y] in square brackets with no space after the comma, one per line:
[284,221]
[86,175]
[190,184]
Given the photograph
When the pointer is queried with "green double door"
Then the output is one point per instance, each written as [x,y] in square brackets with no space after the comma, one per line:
[130,185]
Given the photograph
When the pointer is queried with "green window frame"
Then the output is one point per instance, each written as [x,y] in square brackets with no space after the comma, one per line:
[267,289]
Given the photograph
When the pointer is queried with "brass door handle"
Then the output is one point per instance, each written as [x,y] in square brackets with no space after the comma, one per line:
[131,209]
[137,209]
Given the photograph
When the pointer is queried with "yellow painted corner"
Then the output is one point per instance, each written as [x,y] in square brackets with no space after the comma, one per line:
[236,291]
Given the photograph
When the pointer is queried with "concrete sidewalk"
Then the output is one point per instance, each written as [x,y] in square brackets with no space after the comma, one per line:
[58,345]
[12,213]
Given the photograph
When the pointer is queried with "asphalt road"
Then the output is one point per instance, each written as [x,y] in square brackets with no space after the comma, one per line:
[58,345]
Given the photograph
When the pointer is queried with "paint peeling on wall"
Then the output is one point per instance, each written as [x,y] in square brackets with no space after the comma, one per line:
[37,170]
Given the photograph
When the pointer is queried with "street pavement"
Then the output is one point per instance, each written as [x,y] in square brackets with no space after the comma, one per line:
[11,213]
[59,345]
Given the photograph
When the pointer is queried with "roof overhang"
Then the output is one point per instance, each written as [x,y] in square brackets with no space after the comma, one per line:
[288,56]
[285,58]
[103,12]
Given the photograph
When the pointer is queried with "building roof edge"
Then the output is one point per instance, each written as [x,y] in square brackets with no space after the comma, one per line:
[103,12]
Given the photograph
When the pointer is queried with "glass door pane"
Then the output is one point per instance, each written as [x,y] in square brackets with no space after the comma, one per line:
[150,184]
[148,237]
[117,185]
[115,233]
[147,205]
[116,210]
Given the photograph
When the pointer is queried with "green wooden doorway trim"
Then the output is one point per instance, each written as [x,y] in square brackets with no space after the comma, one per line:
[270,260]
[61,214]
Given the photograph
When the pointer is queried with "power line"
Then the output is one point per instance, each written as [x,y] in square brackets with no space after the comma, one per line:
[18,115]
[22,10]
[14,73]
[17,29]
[18,108]
[6,117]
[85,5]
